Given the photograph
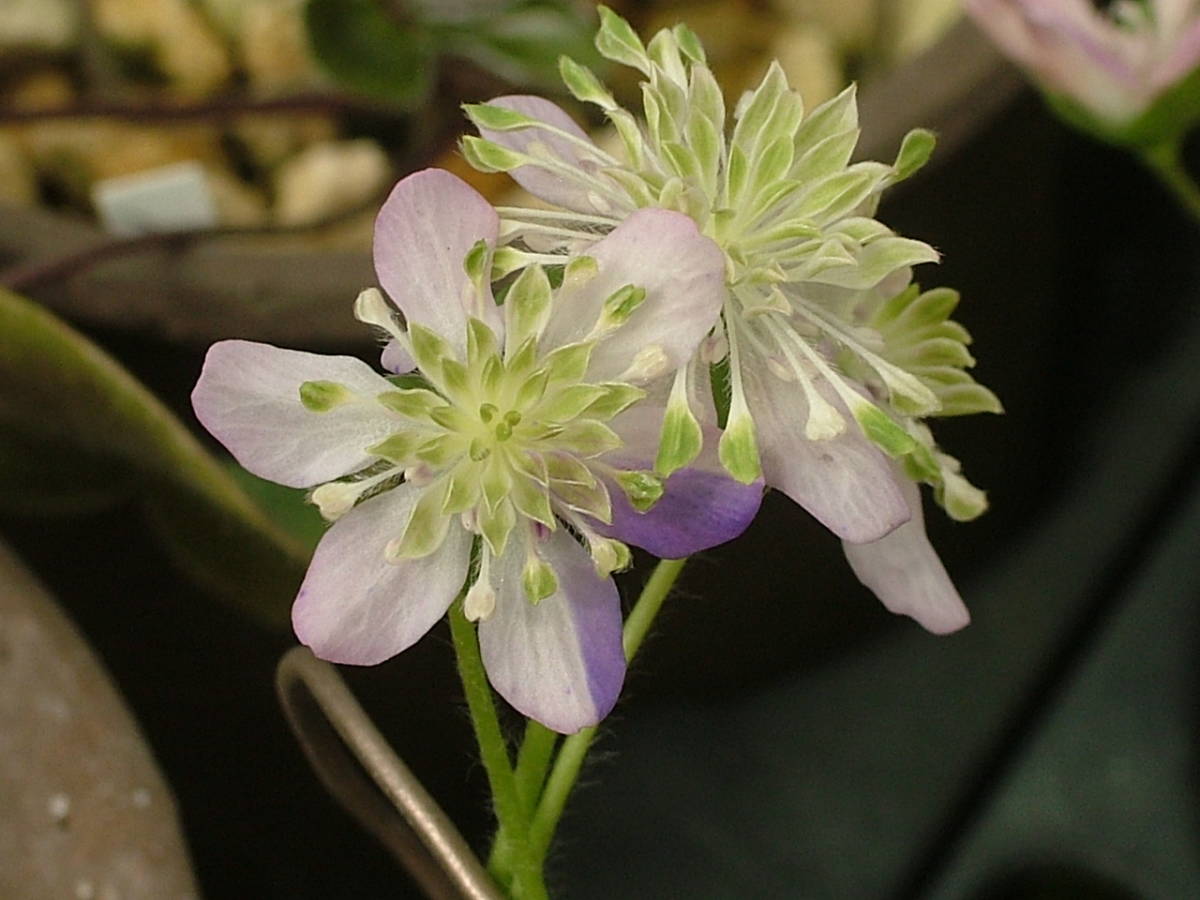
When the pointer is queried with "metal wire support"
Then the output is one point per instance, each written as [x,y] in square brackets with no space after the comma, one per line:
[373,784]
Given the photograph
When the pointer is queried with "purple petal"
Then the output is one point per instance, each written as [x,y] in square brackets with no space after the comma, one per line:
[905,573]
[396,359]
[701,506]
[560,661]
[355,607]
[846,483]
[248,396]
[422,234]
[541,182]
[683,274]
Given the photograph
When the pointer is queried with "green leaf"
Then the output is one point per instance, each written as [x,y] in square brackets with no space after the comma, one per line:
[368,52]
[58,390]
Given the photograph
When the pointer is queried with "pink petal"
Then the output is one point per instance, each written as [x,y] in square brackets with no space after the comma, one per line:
[248,397]
[541,182]
[560,661]
[905,573]
[846,483]
[683,274]
[355,607]
[422,234]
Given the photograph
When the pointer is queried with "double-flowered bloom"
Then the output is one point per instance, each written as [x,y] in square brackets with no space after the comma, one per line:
[515,459]
[832,358]
[1111,61]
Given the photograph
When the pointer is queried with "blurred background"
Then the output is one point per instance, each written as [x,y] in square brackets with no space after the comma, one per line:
[173,173]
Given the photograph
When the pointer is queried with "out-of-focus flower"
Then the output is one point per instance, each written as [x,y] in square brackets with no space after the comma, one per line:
[1112,61]
[832,358]
[521,428]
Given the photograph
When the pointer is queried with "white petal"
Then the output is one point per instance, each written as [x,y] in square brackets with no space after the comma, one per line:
[559,662]
[906,574]
[355,607]
[845,482]
[248,396]
[541,182]
[422,235]
[683,274]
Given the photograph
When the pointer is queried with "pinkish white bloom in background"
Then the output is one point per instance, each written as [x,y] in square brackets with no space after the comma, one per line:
[513,463]
[829,358]
[1112,60]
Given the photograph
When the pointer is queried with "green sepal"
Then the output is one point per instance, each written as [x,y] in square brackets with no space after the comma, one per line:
[588,438]
[570,402]
[590,499]
[568,363]
[620,305]
[527,306]
[441,450]
[463,488]
[689,44]
[616,397]
[428,348]
[882,430]
[497,482]
[475,263]
[481,343]
[322,396]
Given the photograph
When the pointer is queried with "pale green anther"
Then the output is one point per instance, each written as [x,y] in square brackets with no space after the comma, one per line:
[882,430]
[528,306]
[479,450]
[538,580]
[425,530]
[532,501]
[915,150]
[428,348]
[616,398]
[322,396]
[487,156]
[513,418]
[738,449]
[503,431]
[397,448]
[475,263]
[486,412]
[496,524]
[617,41]
[583,84]
[578,271]
[496,118]
[587,438]
[680,441]
[644,489]
[621,304]
[415,403]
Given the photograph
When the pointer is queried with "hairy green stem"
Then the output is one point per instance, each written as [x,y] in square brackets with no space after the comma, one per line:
[574,749]
[1166,162]
[523,867]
